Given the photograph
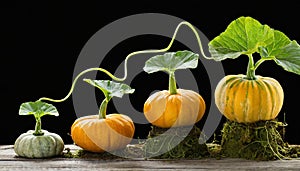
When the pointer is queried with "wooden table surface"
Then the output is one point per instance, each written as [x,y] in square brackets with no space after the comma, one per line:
[9,161]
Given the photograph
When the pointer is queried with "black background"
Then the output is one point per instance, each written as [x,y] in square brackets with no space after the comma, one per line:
[41,40]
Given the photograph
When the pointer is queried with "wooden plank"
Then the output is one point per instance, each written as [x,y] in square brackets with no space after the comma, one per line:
[9,161]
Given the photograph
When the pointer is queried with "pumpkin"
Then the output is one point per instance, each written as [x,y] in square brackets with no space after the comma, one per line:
[249,100]
[173,107]
[165,110]
[47,145]
[102,132]
[99,135]
[38,143]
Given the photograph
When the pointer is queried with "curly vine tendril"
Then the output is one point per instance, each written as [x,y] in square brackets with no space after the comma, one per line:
[129,56]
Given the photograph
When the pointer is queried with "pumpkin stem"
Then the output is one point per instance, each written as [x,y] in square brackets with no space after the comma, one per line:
[38,127]
[250,75]
[103,107]
[172,83]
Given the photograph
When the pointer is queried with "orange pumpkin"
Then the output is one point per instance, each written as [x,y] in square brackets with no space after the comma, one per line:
[249,100]
[173,107]
[99,135]
[165,110]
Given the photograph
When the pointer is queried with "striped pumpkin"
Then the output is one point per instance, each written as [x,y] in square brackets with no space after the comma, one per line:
[245,101]
[165,110]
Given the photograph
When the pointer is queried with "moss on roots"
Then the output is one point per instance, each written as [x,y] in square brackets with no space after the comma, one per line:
[256,141]
[175,143]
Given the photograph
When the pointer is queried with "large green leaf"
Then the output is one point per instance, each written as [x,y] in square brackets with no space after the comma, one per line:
[288,57]
[38,109]
[171,61]
[243,36]
[111,88]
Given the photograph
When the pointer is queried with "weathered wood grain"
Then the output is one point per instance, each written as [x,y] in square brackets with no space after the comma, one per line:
[9,161]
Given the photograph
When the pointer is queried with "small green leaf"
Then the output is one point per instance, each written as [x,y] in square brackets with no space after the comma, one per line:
[38,109]
[111,88]
[243,36]
[172,61]
[288,57]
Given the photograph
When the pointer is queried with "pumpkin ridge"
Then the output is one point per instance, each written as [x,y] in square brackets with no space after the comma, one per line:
[281,94]
[31,140]
[156,105]
[57,145]
[260,91]
[51,142]
[204,108]
[174,102]
[246,100]
[269,91]
[218,96]
[274,100]
[109,136]
[227,82]
[186,101]
[42,145]
[201,107]
[277,100]
[37,146]
[81,128]
[221,94]
[254,83]
[117,122]
[238,100]
[234,84]
[22,144]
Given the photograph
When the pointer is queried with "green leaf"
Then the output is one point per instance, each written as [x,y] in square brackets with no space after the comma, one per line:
[288,57]
[280,40]
[172,61]
[243,36]
[38,109]
[111,88]
[246,35]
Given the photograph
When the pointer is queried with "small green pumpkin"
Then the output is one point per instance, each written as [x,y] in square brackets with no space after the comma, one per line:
[38,146]
[38,143]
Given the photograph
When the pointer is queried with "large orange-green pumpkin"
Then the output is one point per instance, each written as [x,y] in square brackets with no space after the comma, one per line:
[166,110]
[98,135]
[249,100]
